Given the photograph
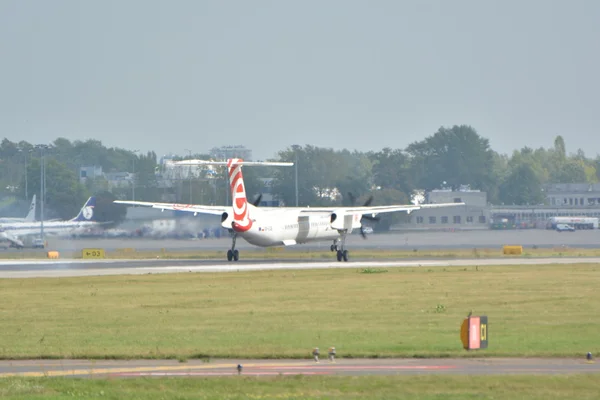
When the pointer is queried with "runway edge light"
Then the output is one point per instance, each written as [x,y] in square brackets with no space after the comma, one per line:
[474,332]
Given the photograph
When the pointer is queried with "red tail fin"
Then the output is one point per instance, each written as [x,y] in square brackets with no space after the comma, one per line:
[241,219]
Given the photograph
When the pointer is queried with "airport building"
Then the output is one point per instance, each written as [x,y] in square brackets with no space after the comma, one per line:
[580,200]
[225,152]
[474,214]
[574,195]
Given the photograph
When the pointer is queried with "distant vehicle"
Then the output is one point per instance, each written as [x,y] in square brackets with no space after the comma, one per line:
[575,222]
[564,227]
[38,244]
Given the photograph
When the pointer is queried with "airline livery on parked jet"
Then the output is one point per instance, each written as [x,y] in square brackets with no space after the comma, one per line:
[277,226]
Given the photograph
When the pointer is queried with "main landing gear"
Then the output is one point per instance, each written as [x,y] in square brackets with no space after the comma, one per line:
[338,246]
[233,254]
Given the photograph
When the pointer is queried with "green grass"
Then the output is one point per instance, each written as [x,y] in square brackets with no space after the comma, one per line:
[300,253]
[584,386]
[532,310]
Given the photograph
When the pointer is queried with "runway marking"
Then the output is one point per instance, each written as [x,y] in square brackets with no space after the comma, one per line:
[250,368]
[140,374]
[100,371]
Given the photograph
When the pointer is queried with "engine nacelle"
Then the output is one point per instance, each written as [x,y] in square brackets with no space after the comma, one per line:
[226,220]
[343,221]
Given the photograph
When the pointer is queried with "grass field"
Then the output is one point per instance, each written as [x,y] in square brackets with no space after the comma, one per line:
[300,253]
[533,311]
[299,387]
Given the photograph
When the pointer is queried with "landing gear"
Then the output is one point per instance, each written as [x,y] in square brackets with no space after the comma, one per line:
[342,255]
[233,254]
[338,247]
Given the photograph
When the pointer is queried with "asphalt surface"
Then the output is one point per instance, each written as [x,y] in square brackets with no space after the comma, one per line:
[72,268]
[162,368]
[407,240]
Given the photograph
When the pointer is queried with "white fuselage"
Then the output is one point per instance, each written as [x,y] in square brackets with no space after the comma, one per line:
[277,228]
[52,227]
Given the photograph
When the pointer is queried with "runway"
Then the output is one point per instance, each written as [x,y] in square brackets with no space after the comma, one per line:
[424,240]
[163,368]
[74,268]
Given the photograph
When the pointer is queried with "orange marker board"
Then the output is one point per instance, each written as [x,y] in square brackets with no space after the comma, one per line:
[474,333]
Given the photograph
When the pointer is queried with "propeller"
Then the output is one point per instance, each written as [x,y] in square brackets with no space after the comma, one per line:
[256,202]
[367,217]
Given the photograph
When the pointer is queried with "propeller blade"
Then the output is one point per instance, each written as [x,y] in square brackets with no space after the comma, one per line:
[362,233]
[257,201]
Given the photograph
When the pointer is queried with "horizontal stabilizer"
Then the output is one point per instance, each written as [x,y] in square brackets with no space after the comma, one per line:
[243,163]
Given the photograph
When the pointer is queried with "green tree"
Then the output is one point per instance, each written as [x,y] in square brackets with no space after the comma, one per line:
[354,174]
[572,171]
[146,183]
[391,170]
[559,148]
[107,211]
[316,176]
[457,156]
[64,194]
[522,186]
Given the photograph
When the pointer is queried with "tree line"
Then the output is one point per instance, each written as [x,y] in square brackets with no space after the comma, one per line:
[449,158]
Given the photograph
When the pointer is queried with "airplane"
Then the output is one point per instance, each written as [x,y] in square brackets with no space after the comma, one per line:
[15,232]
[277,226]
[29,218]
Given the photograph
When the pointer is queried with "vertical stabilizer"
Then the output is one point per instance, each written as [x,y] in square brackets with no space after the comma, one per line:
[87,211]
[31,214]
[241,219]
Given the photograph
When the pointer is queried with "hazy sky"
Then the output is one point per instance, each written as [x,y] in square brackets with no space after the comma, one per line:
[174,75]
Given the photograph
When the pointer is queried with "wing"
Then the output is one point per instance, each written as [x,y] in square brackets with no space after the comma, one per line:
[193,208]
[396,208]
[369,209]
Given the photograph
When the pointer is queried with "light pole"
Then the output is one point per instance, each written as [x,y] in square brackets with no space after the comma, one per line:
[296,177]
[295,147]
[26,165]
[190,174]
[133,175]
[42,148]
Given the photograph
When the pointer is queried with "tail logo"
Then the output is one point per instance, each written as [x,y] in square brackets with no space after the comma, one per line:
[87,212]
[241,221]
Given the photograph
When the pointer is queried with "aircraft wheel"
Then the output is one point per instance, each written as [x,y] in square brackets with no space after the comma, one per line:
[339,255]
[332,248]
[236,255]
[229,255]
[345,255]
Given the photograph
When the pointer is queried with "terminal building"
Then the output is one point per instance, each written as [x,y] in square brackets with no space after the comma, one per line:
[474,214]
[578,200]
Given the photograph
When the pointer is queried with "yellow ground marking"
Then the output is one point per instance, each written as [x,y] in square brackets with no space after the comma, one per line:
[99,371]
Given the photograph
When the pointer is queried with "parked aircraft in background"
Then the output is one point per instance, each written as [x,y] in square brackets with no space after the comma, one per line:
[277,226]
[29,218]
[15,232]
